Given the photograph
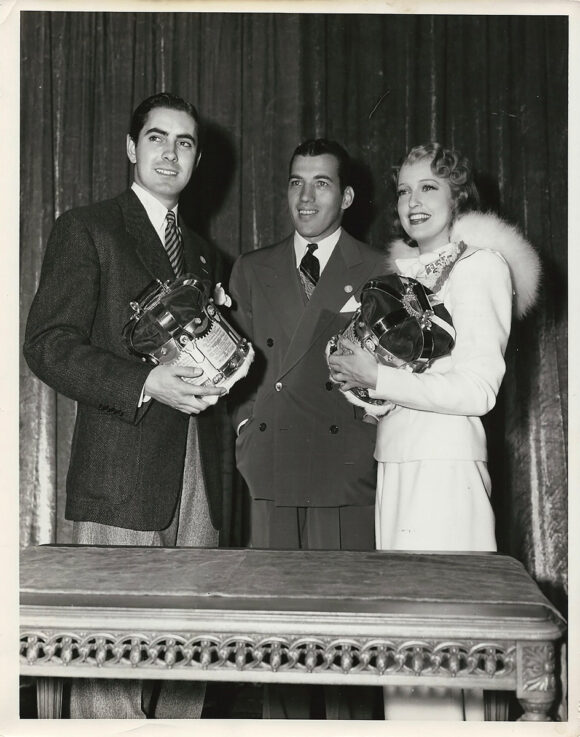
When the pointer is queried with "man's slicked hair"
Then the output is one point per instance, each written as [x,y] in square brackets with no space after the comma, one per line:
[319,146]
[165,100]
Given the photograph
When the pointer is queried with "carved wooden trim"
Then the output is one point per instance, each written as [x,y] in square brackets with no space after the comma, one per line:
[450,658]
[538,666]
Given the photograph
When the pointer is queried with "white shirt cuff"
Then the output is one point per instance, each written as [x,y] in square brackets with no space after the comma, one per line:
[144,398]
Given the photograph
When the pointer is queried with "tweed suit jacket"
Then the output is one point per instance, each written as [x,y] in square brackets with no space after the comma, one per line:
[126,463]
[304,444]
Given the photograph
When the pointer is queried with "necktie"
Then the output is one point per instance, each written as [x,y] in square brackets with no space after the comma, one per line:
[173,244]
[310,269]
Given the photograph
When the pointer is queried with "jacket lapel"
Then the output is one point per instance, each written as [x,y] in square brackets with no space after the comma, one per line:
[277,276]
[344,276]
[145,240]
[195,261]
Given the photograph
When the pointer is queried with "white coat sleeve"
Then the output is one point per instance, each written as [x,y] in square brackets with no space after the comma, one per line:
[479,299]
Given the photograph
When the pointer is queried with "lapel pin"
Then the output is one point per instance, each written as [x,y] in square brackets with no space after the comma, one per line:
[202,259]
[348,288]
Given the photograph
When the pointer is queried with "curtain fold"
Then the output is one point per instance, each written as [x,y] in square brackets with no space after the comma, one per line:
[493,86]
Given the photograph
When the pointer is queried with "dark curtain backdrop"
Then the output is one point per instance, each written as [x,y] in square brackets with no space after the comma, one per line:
[493,86]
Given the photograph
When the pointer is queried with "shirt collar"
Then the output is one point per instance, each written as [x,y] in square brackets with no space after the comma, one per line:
[156,211]
[324,250]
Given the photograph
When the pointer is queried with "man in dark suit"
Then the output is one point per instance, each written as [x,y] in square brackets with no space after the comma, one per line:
[142,471]
[304,451]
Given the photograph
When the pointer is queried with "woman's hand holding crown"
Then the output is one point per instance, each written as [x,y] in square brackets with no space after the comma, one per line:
[351,366]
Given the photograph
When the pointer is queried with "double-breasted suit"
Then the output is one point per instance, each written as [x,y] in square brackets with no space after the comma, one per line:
[127,460]
[303,444]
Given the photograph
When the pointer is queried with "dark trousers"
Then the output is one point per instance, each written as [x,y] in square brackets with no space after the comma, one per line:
[311,528]
[315,528]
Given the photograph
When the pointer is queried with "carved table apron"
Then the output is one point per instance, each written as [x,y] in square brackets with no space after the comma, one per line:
[461,620]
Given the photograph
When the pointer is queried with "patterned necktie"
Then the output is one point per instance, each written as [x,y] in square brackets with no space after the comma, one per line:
[310,270]
[173,244]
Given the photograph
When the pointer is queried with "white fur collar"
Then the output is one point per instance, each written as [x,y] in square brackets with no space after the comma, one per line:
[487,230]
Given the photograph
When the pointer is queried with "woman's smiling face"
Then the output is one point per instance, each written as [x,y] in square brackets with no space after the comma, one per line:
[424,204]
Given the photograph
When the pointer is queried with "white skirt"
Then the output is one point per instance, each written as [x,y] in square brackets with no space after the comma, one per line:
[437,505]
[440,506]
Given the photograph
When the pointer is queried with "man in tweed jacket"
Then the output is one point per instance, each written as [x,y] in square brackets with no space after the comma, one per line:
[145,458]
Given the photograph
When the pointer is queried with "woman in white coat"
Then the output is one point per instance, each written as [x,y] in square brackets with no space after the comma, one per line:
[433,486]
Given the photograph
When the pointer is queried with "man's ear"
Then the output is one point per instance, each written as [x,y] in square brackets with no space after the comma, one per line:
[198,159]
[347,197]
[131,149]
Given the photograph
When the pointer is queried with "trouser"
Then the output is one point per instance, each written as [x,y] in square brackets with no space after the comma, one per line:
[190,527]
[311,528]
[315,528]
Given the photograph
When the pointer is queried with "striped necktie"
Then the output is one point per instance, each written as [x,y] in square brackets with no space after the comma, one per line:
[173,244]
[310,269]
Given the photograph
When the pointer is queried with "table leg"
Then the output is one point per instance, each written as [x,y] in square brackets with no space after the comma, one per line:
[49,697]
[536,690]
[535,711]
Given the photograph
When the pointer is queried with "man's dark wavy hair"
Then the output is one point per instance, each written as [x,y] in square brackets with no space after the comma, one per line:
[161,99]
[447,164]
[319,146]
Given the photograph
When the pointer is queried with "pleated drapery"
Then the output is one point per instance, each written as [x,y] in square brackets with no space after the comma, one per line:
[493,86]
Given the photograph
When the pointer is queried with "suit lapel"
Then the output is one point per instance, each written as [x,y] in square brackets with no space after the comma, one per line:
[195,261]
[345,274]
[150,249]
[145,240]
[278,277]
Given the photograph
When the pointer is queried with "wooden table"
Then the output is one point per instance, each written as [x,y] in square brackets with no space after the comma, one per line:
[468,621]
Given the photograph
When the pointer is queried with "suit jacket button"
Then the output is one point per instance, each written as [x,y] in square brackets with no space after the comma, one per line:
[278,386]
[270,342]
[262,426]
[328,386]
[334,429]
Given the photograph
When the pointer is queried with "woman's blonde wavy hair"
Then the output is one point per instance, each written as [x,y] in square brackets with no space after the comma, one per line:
[447,164]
